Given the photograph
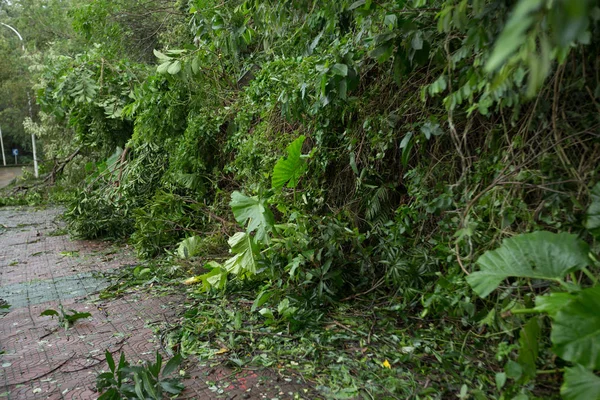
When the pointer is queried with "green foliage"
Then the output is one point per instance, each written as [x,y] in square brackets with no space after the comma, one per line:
[538,255]
[65,319]
[576,329]
[252,212]
[592,222]
[289,169]
[575,323]
[125,381]
[436,129]
[189,247]
[580,383]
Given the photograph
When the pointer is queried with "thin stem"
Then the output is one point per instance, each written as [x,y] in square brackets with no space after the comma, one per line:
[525,311]
[549,371]
[590,275]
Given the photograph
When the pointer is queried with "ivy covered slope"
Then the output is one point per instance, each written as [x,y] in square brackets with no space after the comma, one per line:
[379,165]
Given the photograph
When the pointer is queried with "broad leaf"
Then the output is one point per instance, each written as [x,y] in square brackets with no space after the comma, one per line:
[254,212]
[162,68]
[171,386]
[552,303]
[189,247]
[288,169]
[538,255]
[161,56]
[174,68]
[337,69]
[576,329]
[592,221]
[172,365]
[216,278]
[529,347]
[245,250]
[580,384]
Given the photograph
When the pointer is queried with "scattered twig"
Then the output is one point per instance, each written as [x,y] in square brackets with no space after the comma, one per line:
[45,373]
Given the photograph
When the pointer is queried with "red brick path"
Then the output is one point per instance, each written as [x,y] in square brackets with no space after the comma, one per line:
[41,360]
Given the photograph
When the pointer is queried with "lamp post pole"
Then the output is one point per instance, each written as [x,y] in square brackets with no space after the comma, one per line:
[2,145]
[35,164]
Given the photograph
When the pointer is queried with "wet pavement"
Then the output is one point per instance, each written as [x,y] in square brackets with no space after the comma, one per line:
[7,174]
[41,268]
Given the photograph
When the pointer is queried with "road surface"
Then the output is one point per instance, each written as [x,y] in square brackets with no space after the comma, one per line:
[7,174]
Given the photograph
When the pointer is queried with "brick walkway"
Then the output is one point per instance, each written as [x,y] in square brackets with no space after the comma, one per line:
[40,268]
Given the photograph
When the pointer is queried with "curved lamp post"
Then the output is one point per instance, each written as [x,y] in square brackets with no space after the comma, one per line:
[35,164]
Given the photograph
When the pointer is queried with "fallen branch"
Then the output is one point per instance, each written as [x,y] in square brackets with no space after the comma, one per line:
[56,170]
[45,373]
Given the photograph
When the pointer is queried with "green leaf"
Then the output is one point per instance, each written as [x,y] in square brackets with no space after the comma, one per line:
[254,212]
[356,4]
[406,145]
[171,386]
[216,278]
[161,56]
[245,250]
[529,348]
[576,329]
[162,68]
[155,368]
[174,68]
[288,169]
[189,247]
[513,370]
[172,365]
[261,299]
[110,361]
[500,380]
[539,255]
[49,313]
[383,52]
[76,315]
[195,65]
[592,221]
[514,33]
[267,313]
[417,41]
[551,304]
[580,384]
[338,69]
[110,394]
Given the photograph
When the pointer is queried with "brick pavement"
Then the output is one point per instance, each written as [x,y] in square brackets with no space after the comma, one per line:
[40,268]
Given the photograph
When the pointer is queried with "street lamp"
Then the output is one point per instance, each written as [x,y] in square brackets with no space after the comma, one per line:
[35,164]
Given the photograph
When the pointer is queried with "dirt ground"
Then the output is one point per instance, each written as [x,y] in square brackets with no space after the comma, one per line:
[40,268]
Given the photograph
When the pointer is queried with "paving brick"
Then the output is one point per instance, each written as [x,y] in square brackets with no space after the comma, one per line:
[42,360]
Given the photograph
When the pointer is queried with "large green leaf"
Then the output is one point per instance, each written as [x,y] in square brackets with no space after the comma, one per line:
[552,303]
[189,247]
[592,221]
[529,347]
[245,250]
[288,169]
[539,255]
[215,278]
[253,211]
[576,329]
[580,384]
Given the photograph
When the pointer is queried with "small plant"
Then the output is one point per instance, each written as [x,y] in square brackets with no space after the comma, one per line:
[138,382]
[65,319]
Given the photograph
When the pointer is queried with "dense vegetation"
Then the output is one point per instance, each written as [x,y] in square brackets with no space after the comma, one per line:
[343,164]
